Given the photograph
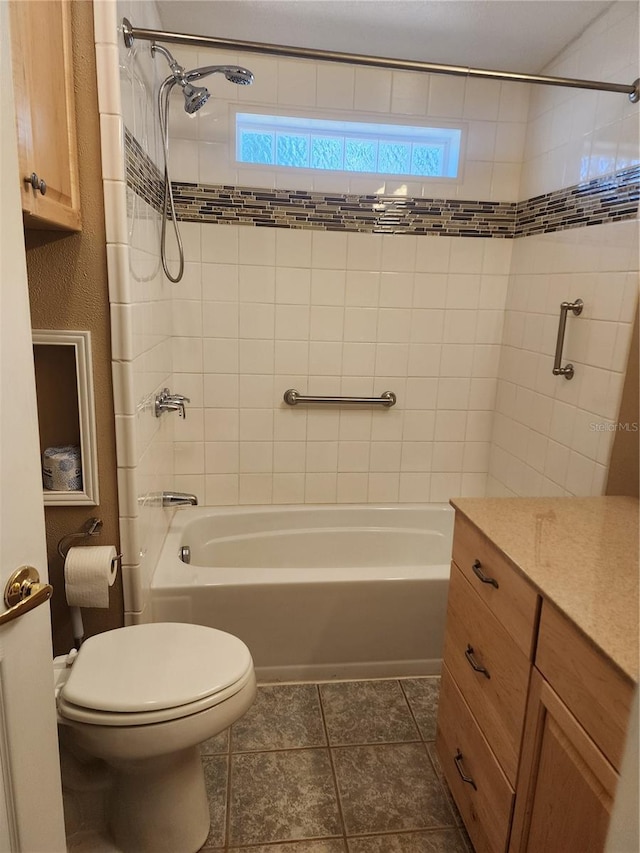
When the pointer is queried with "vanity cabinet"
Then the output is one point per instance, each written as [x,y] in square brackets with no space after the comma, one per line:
[532,716]
[45,113]
[577,716]
[492,617]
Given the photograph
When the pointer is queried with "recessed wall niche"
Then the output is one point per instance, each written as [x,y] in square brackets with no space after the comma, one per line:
[66,411]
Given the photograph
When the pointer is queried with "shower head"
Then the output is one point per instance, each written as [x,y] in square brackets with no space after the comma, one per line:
[233,73]
[238,75]
[196,97]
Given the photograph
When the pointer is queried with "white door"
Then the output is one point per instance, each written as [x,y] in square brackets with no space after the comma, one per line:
[31,818]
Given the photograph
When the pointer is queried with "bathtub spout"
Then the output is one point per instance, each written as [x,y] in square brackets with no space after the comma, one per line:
[178,499]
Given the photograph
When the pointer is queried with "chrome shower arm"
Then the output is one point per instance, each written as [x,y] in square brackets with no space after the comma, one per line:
[176,69]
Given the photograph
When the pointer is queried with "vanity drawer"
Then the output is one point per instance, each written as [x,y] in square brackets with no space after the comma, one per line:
[497,696]
[486,804]
[505,592]
[589,685]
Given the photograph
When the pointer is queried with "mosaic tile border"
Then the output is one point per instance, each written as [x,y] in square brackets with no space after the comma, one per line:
[143,176]
[609,199]
[336,212]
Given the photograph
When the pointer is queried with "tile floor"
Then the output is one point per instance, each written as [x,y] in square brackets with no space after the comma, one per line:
[340,767]
[336,767]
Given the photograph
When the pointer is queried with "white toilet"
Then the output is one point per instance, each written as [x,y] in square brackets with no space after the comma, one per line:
[142,698]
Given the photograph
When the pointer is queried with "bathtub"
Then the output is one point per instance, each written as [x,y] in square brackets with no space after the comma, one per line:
[316,592]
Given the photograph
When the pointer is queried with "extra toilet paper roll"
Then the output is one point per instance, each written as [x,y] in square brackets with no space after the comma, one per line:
[62,469]
[88,574]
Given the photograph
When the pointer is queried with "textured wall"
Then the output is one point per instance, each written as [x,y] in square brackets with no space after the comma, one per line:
[68,290]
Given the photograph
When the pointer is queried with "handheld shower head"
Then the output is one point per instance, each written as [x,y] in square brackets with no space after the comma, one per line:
[196,97]
[240,76]
[233,73]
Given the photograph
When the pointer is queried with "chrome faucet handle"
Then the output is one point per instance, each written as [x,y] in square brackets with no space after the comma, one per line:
[167,402]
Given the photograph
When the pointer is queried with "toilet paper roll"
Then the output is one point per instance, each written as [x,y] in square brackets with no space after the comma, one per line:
[62,469]
[88,574]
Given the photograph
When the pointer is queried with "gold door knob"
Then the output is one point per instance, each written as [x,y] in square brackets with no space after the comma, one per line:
[23,592]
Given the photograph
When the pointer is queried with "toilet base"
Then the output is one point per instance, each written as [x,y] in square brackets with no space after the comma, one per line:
[160,805]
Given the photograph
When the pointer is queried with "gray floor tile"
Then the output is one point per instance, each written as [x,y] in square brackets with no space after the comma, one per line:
[389,788]
[282,796]
[216,745]
[422,695]
[360,712]
[433,841]
[216,770]
[283,716]
[321,845]
[433,755]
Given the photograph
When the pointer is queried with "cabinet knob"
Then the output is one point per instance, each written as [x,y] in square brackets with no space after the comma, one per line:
[36,182]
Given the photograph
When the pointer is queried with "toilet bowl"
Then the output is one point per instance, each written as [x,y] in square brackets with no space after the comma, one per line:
[142,698]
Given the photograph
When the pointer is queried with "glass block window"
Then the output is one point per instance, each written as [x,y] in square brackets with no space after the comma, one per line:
[347,146]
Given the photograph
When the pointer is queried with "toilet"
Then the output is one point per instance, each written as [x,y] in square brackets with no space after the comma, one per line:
[143,698]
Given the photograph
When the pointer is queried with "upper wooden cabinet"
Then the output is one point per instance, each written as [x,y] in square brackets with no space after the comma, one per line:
[45,113]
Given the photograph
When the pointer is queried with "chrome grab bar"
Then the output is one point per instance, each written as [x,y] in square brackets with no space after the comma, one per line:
[386,399]
[567,371]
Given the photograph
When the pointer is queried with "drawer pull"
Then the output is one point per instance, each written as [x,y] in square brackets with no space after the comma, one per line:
[477,570]
[468,779]
[474,663]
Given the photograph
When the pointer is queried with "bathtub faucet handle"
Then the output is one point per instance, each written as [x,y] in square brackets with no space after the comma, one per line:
[165,401]
[179,400]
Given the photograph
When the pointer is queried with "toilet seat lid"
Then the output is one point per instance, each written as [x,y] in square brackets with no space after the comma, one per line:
[153,667]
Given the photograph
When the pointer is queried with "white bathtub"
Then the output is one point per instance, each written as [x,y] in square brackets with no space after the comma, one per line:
[316,592]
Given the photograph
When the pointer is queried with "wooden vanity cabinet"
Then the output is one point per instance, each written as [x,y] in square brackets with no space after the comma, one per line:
[567,786]
[577,716]
[45,113]
[531,753]
[492,617]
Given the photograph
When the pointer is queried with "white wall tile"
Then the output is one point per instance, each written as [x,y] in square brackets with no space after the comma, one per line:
[108,78]
[372,90]
[335,86]
[446,96]
[296,83]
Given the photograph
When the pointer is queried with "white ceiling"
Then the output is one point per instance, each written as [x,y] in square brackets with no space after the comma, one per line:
[511,35]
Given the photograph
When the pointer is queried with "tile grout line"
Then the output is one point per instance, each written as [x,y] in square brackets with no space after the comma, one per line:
[425,744]
[333,769]
[442,784]
[413,716]
[227,828]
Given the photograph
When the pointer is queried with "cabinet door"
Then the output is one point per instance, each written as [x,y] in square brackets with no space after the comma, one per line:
[565,786]
[43,83]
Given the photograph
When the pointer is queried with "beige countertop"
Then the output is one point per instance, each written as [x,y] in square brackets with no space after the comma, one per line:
[581,554]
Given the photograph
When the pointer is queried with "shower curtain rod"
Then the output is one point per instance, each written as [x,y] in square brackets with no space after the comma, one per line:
[131,33]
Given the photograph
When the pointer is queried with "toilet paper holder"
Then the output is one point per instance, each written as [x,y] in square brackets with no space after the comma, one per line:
[92,527]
